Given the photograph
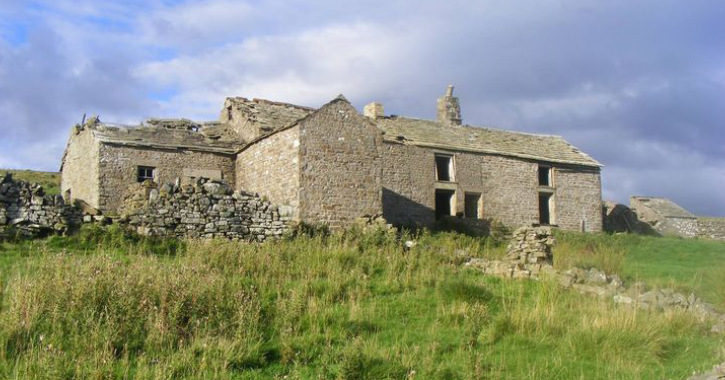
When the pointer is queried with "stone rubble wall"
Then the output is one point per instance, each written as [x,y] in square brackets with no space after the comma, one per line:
[711,228]
[529,257]
[202,209]
[26,209]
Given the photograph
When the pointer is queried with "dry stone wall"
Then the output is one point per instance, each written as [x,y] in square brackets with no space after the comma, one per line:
[26,209]
[529,257]
[202,209]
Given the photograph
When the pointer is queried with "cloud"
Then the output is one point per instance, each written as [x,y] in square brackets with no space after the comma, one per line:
[638,85]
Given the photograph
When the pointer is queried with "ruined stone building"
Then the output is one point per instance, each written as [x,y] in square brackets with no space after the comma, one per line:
[332,165]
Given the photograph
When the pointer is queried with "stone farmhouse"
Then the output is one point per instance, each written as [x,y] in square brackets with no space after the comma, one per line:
[333,165]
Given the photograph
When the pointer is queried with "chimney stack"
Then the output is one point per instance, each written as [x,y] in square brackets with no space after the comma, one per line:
[374,110]
[449,110]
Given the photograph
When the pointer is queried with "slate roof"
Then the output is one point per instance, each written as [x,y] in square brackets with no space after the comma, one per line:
[482,140]
[665,207]
[207,137]
[268,114]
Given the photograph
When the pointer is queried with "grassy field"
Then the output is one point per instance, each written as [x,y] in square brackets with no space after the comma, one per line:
[49,180]
[109,305]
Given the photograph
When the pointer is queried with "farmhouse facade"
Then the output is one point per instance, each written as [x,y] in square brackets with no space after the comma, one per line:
[333,165]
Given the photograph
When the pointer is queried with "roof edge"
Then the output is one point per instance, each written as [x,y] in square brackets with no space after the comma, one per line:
[594,164]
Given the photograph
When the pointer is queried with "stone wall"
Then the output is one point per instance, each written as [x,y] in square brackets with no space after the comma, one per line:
[711,228]
[202,209]
[80,170]
[118,169]
[340,177]
[408,193]
[509,188]
[673,226]
[271,167]
[26,208]
[578,199]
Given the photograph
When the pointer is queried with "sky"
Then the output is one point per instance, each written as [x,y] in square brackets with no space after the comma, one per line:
[637,84]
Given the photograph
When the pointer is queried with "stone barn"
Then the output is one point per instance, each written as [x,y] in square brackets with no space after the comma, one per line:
[333,165]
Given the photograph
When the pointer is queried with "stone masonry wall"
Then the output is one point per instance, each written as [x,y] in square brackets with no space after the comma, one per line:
[271,167]
[118,169]
[408,192]
[80,166]
[578,199]
[684,227]
[340,166]
[26,208]
[509,188]
[711,228]
[202,209]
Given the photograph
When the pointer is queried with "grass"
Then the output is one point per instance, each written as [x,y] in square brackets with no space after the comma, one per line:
[110,305]
[49,180]
[689,265]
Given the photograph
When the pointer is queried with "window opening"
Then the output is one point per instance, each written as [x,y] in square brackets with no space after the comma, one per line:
[473,205]
[544,176]
[444,168]
[444,203]
[144,173]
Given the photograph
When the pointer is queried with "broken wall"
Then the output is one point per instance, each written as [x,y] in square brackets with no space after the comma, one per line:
[25,208]
[80,167]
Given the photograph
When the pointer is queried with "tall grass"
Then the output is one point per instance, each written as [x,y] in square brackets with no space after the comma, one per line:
[605,252]
[343,306]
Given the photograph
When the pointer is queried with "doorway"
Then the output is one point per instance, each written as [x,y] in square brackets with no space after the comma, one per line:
[444,203]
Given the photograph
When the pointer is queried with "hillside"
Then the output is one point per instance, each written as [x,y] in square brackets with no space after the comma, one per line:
[49,180]
[108,304]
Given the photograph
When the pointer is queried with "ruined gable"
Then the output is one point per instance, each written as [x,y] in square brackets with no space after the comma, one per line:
[251,119]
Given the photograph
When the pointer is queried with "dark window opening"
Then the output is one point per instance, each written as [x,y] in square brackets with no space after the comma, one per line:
[144,173]
[444,203]
[444,168]
[473,204]
[544,176]
[544,208]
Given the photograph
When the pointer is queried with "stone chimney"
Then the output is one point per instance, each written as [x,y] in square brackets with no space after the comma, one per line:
[449,110]
[374,110]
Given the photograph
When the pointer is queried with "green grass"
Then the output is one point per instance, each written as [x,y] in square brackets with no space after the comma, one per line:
[110,305]
[49,180]
[689,265]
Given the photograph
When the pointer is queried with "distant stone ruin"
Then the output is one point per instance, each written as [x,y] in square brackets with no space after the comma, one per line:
[661,217]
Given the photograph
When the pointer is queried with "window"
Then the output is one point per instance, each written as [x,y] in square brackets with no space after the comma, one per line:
[144,173]
[544,175]
[473,205]
[444,203]
[444,167]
